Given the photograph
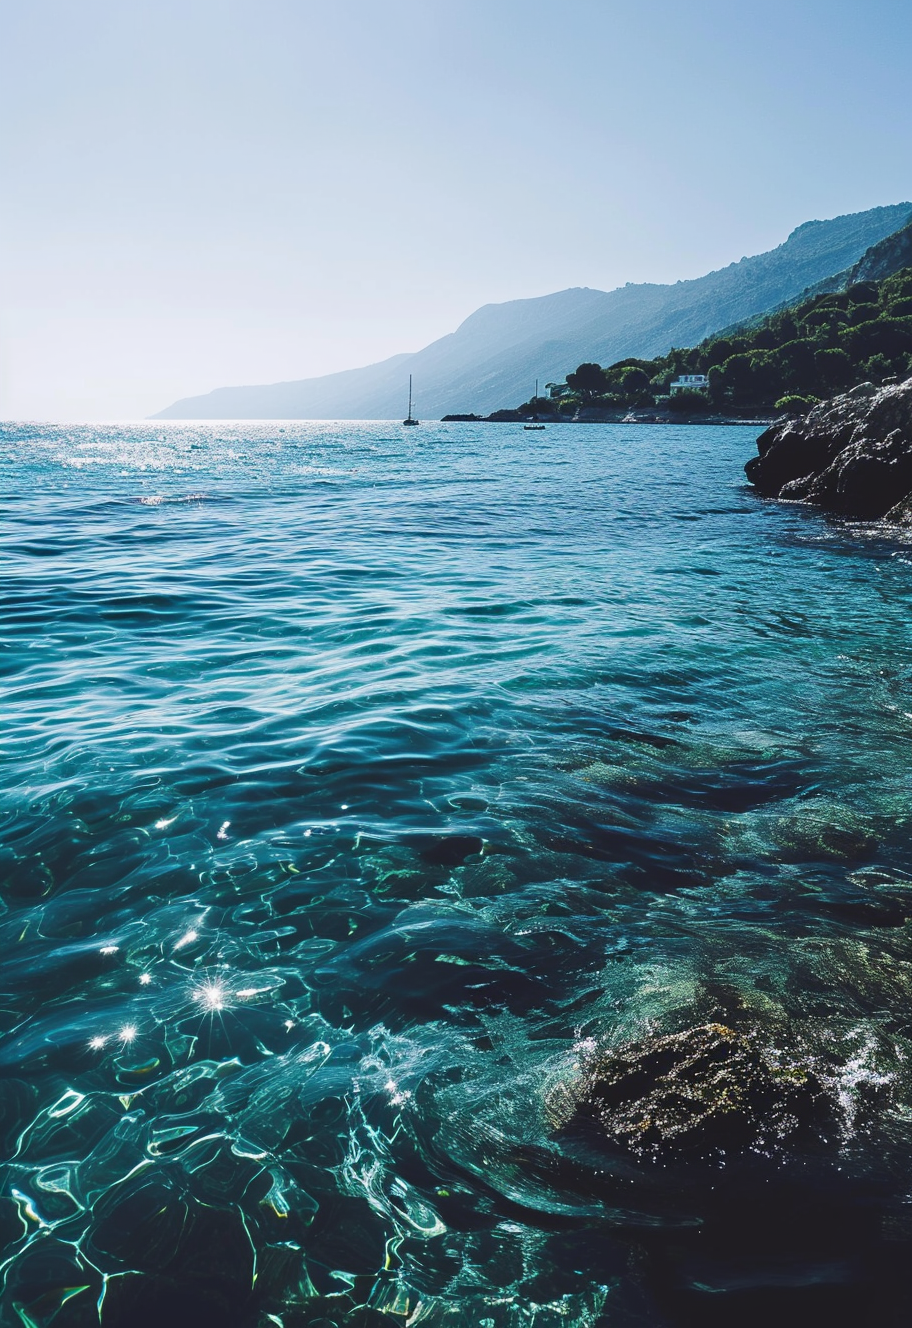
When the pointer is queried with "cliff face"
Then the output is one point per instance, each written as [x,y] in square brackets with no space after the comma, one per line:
[851,455]
[884,258]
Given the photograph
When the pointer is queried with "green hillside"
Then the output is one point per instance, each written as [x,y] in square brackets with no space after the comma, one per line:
[823,345]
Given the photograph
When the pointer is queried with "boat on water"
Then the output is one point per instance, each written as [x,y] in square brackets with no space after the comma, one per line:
[408,420]
[535,423]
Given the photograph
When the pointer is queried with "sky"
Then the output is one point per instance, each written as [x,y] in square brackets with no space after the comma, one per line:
[201,193]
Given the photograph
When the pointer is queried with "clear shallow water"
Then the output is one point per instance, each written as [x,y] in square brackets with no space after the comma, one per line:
[353,785]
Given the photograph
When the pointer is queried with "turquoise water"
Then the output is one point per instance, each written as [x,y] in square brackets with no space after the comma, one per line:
[356,784]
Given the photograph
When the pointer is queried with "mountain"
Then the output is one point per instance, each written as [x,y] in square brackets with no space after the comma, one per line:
[785,362]
[495,355]
[884,258]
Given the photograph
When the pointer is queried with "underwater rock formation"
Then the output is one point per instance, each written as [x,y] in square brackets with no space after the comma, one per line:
[707,1089]
[851,455]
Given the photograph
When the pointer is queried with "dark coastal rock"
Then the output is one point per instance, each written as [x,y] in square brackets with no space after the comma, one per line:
[709,1089]
[505,417]
[851,455]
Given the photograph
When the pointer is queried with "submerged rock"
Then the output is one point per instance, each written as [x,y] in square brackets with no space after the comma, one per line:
[819,829]
[708,1089]
[851,455]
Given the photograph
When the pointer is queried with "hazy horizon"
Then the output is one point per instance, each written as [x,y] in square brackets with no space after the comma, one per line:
[203,194]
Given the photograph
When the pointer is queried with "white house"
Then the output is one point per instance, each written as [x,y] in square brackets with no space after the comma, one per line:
[689,383]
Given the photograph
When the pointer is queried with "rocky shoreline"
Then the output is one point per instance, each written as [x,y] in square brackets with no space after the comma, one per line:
[851,455]
[598,415]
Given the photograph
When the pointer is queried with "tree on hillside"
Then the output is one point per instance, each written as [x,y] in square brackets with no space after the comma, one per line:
[833,369]
[797,363]
[877,368]
[688,402]
[588,381]
[628,381]
[795,405]
[819,346]
[633,382]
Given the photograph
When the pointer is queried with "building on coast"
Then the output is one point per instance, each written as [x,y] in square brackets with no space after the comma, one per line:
[689,383]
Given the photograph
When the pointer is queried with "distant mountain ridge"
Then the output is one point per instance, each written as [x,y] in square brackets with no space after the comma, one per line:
[885,257]
[497,352]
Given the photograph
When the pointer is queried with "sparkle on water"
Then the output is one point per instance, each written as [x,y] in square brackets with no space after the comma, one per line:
[212,995]
[408,773]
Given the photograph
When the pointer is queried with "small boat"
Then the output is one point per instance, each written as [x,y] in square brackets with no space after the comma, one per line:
[534,426]
[408,420]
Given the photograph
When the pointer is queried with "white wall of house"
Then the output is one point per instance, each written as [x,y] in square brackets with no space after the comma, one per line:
[689,383]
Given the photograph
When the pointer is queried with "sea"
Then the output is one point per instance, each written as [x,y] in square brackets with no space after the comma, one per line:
[360,786]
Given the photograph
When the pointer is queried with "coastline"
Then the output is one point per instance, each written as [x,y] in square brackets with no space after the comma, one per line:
[613,417]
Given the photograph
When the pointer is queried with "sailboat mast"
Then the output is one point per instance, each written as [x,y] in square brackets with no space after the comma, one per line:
[408,419]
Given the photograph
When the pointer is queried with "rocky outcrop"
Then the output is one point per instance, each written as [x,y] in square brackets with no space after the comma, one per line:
[884,258]
[708,1089]
[851,455]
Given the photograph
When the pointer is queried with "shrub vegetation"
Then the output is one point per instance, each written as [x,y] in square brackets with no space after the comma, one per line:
[786,362]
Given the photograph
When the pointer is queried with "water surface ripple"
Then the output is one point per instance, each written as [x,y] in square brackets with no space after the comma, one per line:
[355,787]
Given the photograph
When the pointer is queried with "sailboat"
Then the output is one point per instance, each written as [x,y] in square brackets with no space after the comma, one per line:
[409,419]
[536,425]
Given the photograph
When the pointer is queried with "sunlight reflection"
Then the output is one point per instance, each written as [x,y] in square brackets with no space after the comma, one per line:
[211,995]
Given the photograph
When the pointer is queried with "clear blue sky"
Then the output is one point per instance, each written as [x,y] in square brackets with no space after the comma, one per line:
[209,192]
